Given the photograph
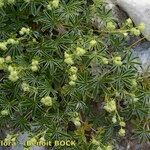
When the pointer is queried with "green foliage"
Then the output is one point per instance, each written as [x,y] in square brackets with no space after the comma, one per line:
[64,77]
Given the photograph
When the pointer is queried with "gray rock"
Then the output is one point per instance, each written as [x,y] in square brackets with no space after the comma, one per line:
[139,12]
[142,51]
[117,13]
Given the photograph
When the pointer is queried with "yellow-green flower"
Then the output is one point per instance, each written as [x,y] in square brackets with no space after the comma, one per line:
[93,42]
[110,106]
[117,61]
[122,124]
[34,68]
[110,26]
[35,62]
[105,61]
[135,32]
[69,61]
[5,112]
[8,59]
[3,45]
[141,27]
[12,41]
[24,31]
[47,101]
[55,3]
[13,76]
[129,22]
[72,83]
[73,77]
[25,87]
[80,51]
[73,70]
[122,132]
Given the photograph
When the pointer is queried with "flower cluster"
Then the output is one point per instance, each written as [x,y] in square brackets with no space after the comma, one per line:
[104,60]
[12,41]
[53,4]
[34,65]
[8,59]
[47,101]
[3,45]
[117,61]
[5,112]
[110,26]
[80,51]
[73,75]
[13,74]
[68,59]
[93,42]
[25,87]
[24,31]
[110,106]
[76,120]
[135,31]
[122,130]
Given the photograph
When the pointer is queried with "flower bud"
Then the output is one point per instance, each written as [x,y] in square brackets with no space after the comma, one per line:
[13,76]
[12,41]
[47,101]
[73,77]
[24,31]
[69,61]
[5,112]
[129,22]
[114,119]
[55,3]
[122,124]
[34,62]
[3,45]
[117,61]
[8,59]
[93,42]
[34,68]
[80,51]
[135,31]
[72,83]
[25,87]
[141,27]
[73,70]
[110,26]
[110,106]
[121,132]
[105,61]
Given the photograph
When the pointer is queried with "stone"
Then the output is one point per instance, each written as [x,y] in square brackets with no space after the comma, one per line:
[142,51]
[139,12]
[116,11]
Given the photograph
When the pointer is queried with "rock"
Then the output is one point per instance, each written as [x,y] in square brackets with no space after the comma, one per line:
[139,12]
[142,51]
[117,13]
